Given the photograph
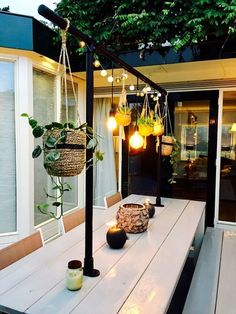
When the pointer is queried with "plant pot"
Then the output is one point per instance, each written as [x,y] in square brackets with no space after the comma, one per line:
[145,129]
[166,145]
[158,129]
[133,218]
[72,153]
[123,119]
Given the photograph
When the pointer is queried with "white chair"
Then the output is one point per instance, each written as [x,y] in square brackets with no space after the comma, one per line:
[15,251]
[73,220]
[113,199]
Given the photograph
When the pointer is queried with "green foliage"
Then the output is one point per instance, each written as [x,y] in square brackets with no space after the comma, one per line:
[126,23]
[145,121]
[174,159]
[53,155]
[59,188]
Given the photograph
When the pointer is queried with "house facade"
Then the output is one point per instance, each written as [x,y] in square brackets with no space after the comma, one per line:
[201,86]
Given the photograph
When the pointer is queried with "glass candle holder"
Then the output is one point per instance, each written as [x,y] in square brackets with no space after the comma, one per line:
[74,275]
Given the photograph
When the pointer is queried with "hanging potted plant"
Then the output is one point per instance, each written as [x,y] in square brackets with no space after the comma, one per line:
[63,146]
[145,121]
[123,114]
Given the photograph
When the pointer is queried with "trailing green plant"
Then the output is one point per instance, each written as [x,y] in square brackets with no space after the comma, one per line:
[174,159]
[50,144]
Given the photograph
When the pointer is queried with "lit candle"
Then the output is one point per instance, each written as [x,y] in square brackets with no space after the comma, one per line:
[116,237]
[149,207]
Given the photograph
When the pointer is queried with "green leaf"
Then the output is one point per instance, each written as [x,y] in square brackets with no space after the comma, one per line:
[38,131]
[92,143]
[99,155]
[50,141]
[33,123]
[37,151]
[48,126]
[43,208]
[67,185]
[57,125]
[25,115]
[52,156]
[82,126]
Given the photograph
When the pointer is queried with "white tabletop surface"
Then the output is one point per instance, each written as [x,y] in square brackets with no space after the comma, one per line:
[139,278]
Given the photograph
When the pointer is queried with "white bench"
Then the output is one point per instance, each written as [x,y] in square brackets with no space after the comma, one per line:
[212,289]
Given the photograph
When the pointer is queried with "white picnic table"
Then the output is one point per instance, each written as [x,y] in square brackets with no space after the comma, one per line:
[139,278]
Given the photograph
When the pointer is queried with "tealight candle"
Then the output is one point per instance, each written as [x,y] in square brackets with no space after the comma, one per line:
[74,275]
[116,237]
[150,208]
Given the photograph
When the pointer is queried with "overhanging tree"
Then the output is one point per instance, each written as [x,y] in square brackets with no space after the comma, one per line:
[129,24]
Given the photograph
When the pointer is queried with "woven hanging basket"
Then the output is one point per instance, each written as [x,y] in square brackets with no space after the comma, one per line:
[145,129]
[158,129]
[123,119]
[72,153]
[133,218]
[166,145]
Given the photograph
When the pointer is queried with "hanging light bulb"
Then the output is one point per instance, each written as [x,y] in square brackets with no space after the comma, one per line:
[152,95]
[111,123]
[82,44]
[131,87]
[103,73]
[136,140]
[118,79]
[138,93]
[142,94]
[97,63]
[148,88]
[110,79]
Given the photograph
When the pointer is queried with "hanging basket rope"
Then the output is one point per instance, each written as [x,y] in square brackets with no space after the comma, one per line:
[72,150]
[167,140]
[123,114]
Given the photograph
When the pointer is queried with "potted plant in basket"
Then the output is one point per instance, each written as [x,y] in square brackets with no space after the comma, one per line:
[64,149]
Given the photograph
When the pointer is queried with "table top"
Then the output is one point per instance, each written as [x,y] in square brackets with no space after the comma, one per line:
[139,278]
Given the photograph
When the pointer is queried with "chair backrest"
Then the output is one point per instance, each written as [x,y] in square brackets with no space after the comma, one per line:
[113,199]
[74,219]
[15,251]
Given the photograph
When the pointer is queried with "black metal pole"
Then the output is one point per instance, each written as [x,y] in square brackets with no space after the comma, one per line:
[62,23]
[158,191]
[88,259]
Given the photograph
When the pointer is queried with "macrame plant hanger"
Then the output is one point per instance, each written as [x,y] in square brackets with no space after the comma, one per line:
[64,60]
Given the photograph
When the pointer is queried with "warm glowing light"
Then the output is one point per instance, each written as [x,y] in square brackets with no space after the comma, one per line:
[97,63]
[233,128]
[136,140]
[138,93]
[148,89]
[142,94]
[159,95]
[110,79]
[111,123]
[111,223]
[82,44]
[103,73]
[131,87]
[152,95]
[118,79]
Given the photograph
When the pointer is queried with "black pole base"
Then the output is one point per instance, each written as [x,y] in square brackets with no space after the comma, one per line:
[91,272]
[88,269]
[158,202]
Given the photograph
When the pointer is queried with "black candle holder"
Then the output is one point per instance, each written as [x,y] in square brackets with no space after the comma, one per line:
[116,237]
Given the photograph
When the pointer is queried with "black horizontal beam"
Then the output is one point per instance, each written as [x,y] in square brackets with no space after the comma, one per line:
[62,23]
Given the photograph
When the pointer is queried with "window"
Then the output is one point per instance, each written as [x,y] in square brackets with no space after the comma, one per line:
[8,152]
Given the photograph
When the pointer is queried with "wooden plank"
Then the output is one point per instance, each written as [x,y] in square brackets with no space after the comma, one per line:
[226,301]
[155,289]
[124,275]
[59,300]
[43,273]
[203,289]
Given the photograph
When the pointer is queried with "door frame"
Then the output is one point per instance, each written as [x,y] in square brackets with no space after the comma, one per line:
[212,96]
